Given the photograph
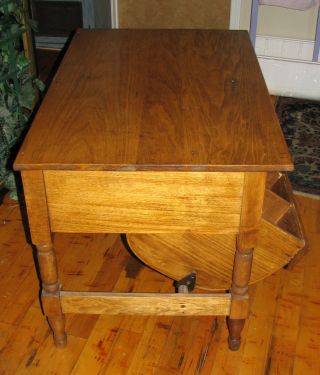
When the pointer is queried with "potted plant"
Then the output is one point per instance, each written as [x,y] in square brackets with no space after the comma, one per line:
[18,84]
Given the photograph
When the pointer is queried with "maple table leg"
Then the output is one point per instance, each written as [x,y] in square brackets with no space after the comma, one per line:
[51,293]
[240,297]
[40,230]
[251,211]
[235,327]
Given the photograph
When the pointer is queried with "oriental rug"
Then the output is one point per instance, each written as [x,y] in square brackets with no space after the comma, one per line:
[300,122]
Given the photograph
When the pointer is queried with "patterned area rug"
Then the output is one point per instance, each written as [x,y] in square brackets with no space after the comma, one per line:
[300,121]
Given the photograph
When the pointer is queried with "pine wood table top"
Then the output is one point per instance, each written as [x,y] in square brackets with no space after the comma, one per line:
[173,100]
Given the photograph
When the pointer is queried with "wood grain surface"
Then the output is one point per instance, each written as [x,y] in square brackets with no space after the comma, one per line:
[275,206]
[277,242]
[157,100]
[145,303]
[36,202]
[144,202]
[284,310]
[212,256]
[254,188]
[177,14]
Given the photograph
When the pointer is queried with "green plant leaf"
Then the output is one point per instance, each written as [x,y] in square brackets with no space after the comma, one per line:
[33,25]
[22,61]
[17,85]
[26,96]
[39,84]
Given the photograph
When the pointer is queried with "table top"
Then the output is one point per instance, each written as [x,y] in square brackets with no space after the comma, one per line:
[192,100]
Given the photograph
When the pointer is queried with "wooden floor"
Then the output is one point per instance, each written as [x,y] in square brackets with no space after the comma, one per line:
[282,335]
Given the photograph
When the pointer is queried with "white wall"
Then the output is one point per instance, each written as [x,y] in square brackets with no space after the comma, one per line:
[277,21]
[286,60]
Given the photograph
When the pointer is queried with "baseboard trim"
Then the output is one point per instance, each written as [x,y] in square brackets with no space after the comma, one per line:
[285,48]
[291,78]
[288,68]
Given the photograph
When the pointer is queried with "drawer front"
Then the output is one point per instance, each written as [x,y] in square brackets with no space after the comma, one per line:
[144,202]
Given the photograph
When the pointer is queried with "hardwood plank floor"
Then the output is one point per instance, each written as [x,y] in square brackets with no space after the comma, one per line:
[280,337]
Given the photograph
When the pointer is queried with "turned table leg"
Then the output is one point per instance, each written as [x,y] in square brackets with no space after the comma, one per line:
[251,211]
[40,230]
[50,293]
[240,297]
[235,327]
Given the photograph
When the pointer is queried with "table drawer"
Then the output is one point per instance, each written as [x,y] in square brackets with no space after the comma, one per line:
[142,202]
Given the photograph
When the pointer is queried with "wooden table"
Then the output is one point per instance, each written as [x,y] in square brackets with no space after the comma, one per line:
[155,133]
